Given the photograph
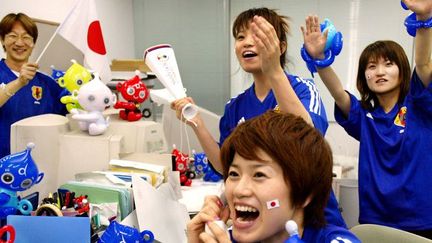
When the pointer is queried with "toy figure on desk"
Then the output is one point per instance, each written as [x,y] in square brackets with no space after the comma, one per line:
[203,168]
[75,77]
[94,97]
[18,172]
[181,164]
[117,232]
[134,92]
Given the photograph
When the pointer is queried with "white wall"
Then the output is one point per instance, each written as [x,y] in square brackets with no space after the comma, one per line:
[116,17]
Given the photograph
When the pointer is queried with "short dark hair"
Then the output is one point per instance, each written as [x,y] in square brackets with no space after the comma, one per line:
[300,150]
[9,20]
[388,50]
[279,22]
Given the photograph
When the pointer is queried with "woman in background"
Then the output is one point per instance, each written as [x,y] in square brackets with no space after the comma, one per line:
[260,45]
[392,121]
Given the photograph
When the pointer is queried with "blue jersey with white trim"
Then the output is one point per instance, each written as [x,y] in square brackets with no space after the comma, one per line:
[40,96]
[246,106]
[395,185]
[328,234]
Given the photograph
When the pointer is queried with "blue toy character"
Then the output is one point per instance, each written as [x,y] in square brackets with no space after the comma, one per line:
[203,168]
[18,172]
[56,73]
[121,233]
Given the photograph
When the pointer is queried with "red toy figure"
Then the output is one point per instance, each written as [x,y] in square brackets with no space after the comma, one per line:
[81,204]
[134,92]
[181,164]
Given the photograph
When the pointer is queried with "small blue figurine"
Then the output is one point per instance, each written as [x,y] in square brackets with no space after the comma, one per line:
[18,172]
[203,168]
[117,232]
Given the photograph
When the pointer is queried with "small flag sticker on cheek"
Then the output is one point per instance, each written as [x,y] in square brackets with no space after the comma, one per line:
[273,204]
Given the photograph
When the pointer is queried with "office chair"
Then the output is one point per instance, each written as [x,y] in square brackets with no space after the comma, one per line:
[372,233]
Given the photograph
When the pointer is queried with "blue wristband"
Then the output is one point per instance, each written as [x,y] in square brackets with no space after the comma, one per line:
[332,49]
[412,24]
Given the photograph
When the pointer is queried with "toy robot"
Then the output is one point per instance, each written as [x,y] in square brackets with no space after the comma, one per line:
[94,97]
[134,92]
[18,172]
[75,77]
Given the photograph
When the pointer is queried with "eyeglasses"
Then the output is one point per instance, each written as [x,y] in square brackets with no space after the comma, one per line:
[26,38]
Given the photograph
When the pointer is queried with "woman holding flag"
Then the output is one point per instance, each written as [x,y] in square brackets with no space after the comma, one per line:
[24,92]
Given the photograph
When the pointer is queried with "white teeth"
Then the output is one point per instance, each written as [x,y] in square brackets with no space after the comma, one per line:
[245,209]
[248,52]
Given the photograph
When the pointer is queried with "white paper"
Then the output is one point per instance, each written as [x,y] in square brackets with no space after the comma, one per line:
[166,218]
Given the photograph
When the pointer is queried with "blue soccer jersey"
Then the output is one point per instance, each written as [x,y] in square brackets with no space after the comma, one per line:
[246,106]
[395,185]
[40,96]
[328,234]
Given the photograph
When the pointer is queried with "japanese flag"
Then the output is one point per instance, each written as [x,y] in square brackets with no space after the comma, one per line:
[82,29]
[273,204]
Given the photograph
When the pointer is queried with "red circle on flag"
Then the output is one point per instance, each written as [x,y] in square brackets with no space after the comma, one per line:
[272,204]
[95,39]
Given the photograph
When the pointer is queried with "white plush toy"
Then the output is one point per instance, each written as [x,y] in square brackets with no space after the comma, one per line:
[94,97]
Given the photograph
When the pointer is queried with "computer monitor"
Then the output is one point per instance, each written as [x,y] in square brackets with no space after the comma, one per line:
[62,150]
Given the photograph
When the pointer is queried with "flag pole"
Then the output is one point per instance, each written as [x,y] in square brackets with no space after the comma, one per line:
[46,46]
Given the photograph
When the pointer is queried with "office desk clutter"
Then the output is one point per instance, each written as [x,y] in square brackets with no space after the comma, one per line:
[18,172]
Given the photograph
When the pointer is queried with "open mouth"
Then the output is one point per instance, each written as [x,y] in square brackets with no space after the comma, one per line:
[246,213]
[249,54]
[381,81]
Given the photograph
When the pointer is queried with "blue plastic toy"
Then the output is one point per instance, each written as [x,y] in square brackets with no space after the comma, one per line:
[56,73]
[203,168]
[18,172]
[117,232]
[332,48]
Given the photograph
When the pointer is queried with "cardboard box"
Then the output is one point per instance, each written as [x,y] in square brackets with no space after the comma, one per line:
[129,65]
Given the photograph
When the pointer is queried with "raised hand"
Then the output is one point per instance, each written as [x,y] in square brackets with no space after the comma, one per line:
[178,106]
[267,43]
[423,8]
[314,40]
